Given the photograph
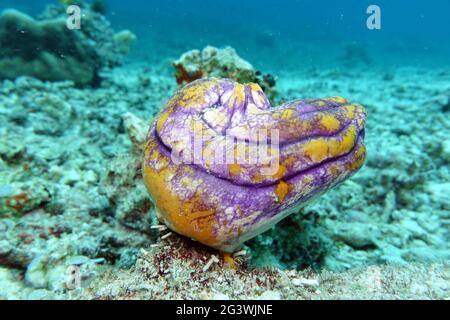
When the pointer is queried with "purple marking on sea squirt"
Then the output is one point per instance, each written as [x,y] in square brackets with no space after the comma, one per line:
[223,204]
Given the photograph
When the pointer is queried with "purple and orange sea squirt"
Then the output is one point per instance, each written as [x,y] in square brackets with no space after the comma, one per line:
[319,144]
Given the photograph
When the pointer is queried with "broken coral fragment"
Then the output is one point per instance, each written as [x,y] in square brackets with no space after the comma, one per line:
[222,203]
[220,63]
[124,39]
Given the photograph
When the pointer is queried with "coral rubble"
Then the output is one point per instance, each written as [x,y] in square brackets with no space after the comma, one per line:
[220,63]
[75,154]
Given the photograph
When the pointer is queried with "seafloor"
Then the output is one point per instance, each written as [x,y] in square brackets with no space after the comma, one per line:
[381,234]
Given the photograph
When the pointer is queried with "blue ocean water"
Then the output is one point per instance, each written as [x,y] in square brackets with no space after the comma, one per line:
[284,33]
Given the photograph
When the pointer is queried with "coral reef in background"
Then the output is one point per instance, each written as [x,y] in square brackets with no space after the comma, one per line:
[48,50]
[221,63]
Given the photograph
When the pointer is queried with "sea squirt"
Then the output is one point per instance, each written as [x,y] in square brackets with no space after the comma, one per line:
[312,146]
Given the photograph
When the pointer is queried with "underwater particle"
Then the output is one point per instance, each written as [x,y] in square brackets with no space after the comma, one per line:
[221,209]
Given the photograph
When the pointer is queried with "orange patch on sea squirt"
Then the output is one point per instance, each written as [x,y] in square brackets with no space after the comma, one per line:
[321,149]
[162,120]
[329,123]
[234,168]
[191,218]
[338,99]
[239,93]
[280,173]
[358,159]
[281,190]
[194,96]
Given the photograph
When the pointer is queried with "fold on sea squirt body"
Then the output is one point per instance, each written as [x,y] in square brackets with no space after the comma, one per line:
[222,165]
